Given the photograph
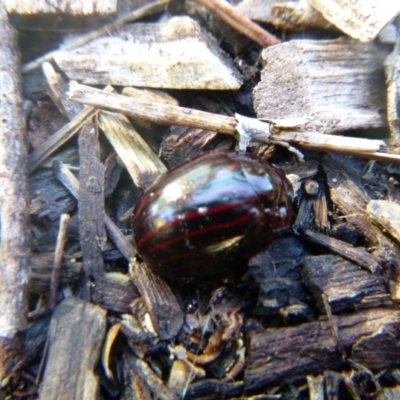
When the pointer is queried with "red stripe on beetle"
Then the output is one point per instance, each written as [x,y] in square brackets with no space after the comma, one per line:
[208,229]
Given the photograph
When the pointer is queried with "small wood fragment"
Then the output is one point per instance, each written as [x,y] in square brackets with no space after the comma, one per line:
[239,22]
[360,19]
[298,15]
[137,13]
[142,163]
[284,354]
[72,7]
[91,203]
[175,55]
[165,312]
[358,255]
[76,333]
[386,214]
[14,200]
[115,292]
[57,89]
[345,286]
[334,84]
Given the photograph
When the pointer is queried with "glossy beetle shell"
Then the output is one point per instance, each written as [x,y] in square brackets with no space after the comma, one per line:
[211,214]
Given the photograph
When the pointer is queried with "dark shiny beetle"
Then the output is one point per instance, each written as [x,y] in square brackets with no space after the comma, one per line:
[211,214]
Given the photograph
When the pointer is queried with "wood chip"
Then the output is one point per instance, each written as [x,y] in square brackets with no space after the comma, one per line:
[386,214]
[76,333]
[345,286]
[360,19]
[284,354]
[177,55]
[334,84]
[165,313]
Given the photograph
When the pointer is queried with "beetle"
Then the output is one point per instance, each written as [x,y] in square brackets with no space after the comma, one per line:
[211,214]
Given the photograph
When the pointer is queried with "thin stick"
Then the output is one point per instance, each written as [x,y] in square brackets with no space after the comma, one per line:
[174,115]
[56,272]
[240,23]
[158,112]
[107,29]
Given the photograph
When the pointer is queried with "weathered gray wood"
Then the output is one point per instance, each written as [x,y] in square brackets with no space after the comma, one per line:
[361,19]
[284,354]
[335,84]
[162,305]
[91,202]
[114,291]
[176,54]
[76,333]
[74,7]
[346,287]
[14,211]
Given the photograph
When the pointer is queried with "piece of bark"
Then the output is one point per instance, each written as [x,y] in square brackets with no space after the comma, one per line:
[163,307]
[386,214]
[73,7]
[14,198]
[334,84]
[40,269]
[76,333]
[240,22]
[115,292]
[176,55]
[346,287]
[112,173]
[358,255]
[91,203]
[285,354]
[143,165]
[360,19]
